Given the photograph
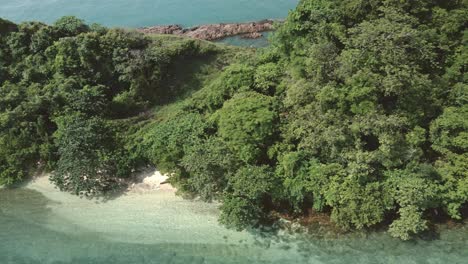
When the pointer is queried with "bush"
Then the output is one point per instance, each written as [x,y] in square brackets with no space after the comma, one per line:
[235,78]
[71,26]
[248,123]
[267,77]
[164,143]
[244,203]
[209,164]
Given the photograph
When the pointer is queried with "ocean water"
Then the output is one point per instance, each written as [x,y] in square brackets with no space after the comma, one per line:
[138,13]
[39,224]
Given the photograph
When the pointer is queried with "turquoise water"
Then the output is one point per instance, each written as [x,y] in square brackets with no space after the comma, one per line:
[137,13]
[39,224]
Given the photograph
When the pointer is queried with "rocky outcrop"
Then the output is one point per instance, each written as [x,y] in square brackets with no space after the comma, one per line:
[254,35]
[169,29]
[214,31]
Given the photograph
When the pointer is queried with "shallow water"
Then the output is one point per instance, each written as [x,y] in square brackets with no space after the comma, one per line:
[39,224]
[137,13]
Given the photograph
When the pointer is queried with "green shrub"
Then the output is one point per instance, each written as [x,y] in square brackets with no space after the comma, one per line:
[243,204]
[248,124]
[164,143]
[209,164]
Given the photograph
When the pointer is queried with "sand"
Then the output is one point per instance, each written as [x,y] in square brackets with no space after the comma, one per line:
[148,208]
[151,180]
[40,224]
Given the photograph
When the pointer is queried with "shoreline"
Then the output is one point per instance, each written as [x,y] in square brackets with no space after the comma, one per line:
[151,190]
[210,32]
[175,229]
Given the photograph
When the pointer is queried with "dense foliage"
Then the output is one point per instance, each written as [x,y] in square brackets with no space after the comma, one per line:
[358,109]
[63,90]
[376,89]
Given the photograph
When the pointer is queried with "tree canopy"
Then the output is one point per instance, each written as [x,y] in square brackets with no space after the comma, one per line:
[65,92]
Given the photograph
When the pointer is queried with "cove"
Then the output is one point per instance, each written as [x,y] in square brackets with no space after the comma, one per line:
[40,224]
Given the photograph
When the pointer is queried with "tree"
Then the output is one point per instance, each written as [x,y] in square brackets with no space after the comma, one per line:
[164,143]
[209,164]
[267,77]
[89,100]
[87,163]
[71,26]
[248,124]
[414,190]
[243,205]
[369,81]
[449,137]
[6,27]
[49,72]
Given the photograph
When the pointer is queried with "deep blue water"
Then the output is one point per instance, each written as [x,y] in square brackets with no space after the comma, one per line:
[137,13]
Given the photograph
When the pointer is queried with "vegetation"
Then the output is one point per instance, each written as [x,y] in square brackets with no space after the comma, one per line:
[358,108]
[67,91]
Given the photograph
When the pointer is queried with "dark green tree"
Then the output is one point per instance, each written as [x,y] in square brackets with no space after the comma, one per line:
[248,124]
[88,163]
[249,188]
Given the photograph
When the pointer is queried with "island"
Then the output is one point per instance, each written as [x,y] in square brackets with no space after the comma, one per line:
[355,117]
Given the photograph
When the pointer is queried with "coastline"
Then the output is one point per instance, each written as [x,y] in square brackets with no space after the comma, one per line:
[218,31]
[159,227]
[142,215]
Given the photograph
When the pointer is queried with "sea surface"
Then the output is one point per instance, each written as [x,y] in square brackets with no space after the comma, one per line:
[39,224]
[141,13]
[138,13]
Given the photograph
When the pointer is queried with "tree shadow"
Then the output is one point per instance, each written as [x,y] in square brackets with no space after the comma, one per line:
[24,204]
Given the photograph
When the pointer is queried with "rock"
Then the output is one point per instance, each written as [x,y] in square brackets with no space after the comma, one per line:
[169,29]
[296,227]
[214,31]
[254,35]
[151,180]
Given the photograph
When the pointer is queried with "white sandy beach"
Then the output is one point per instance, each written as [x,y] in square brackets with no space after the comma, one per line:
[146,209]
